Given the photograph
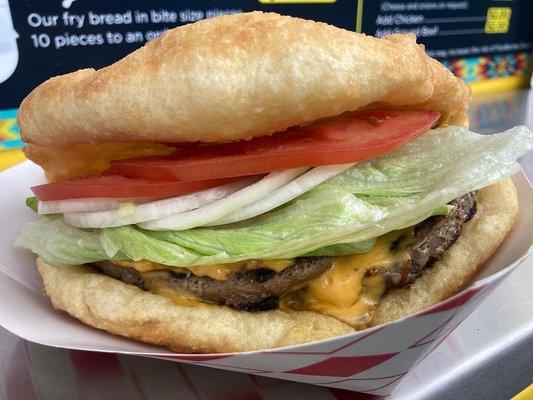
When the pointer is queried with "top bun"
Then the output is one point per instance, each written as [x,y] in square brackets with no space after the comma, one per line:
[237,77]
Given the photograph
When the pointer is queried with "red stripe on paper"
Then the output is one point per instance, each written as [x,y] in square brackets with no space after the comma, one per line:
[91,366]
[456,302]
[343,366]
[364,379]
[332,351]
[422,341]
[341,394]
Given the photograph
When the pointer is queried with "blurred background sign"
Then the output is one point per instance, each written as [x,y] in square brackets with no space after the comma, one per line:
[487,43]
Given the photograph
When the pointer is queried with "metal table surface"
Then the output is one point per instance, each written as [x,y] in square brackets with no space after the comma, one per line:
[489,356]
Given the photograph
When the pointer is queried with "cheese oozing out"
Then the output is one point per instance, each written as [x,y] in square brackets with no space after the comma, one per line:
[346,291]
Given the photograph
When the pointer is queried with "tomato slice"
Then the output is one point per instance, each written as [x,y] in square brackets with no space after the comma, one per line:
[121,187]
[343,140]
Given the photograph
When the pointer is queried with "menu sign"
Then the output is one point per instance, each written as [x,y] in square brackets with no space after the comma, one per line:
[40,39]
[454,28]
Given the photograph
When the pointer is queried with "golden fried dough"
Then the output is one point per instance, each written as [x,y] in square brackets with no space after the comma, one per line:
[84,160]
[237,77]
[126,310]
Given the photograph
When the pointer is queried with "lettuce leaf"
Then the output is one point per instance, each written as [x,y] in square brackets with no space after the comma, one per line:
[32,203]
[57,242]
[344,214]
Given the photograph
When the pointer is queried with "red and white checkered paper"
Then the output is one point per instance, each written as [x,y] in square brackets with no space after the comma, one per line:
[371,361]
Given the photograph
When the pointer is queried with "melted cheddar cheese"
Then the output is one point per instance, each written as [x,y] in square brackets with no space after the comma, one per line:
[179,297]
[346,291]
[220,272]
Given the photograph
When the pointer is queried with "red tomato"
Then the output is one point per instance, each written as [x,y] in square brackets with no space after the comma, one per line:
[120,187]
[344,140]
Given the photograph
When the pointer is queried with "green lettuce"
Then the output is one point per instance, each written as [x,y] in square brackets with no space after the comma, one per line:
[342,215]
[32,203]
[55,241]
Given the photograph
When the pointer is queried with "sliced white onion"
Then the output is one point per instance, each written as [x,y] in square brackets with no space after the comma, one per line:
[74,205]
[284,194]
[129,213]
[226,205]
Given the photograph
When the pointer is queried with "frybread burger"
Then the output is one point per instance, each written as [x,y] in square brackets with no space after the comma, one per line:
[256,180]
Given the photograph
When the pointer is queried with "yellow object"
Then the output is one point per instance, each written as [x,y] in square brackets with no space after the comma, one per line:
[526,394]
[177,296]
[498,19]
[346,291]
[499,84]
[220,272]
[8,158]
[296,1]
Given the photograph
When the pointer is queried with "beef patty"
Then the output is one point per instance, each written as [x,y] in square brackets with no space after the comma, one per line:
[432,237]
[259,289]
[253,290]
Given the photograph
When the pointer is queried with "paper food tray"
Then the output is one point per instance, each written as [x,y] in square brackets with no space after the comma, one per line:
[371,361]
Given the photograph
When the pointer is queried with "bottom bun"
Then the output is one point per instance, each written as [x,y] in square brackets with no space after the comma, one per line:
[122,309]
[117,307]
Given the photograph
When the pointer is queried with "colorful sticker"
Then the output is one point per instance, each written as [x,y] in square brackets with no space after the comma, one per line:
[9,130]
[474,69]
